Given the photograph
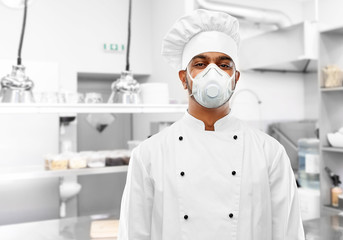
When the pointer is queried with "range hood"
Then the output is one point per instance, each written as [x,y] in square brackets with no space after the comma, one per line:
[289,49]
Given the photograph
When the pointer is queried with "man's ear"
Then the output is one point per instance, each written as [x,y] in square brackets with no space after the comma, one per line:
[237,76]
[183,78]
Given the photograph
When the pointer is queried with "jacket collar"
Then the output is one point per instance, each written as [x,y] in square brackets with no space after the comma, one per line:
[226,123]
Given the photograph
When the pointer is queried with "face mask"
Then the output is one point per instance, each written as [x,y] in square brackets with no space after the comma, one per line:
[212,87]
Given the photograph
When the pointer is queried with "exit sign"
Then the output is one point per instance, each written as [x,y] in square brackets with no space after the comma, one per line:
[114,47]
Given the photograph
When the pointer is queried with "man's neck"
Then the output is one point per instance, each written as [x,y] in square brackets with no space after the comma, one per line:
[208,115]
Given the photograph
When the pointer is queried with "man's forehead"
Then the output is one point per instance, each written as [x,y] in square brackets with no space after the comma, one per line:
[212,55]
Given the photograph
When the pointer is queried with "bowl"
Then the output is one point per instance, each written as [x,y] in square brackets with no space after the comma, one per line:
[335,139]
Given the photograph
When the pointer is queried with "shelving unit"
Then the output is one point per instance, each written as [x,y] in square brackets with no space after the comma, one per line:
[34,172]
[332,210]
[335,29]
[38,171]
[8,108]
[331,114]
[332,89]
[332,149]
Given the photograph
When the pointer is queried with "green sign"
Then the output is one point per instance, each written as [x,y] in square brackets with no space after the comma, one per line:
[114,47]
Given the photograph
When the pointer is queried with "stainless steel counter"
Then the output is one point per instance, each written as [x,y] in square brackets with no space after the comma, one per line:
[325,228]
[57,229]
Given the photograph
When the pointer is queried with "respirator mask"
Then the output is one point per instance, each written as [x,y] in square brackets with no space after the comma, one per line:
[212,87]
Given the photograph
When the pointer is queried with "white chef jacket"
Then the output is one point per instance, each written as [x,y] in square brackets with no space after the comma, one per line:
[186,183]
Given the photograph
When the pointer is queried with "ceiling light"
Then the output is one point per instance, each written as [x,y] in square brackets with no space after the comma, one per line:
[17,87]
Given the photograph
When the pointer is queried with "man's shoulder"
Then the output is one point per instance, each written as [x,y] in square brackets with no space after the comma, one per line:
[263,143]
[159,139]
[261,138]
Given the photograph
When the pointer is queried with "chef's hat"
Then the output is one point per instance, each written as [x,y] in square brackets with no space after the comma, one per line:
[199,32]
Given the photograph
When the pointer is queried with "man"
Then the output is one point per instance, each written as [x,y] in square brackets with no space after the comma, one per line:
[209,176]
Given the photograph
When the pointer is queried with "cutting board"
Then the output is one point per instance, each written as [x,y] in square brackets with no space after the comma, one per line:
[104,229]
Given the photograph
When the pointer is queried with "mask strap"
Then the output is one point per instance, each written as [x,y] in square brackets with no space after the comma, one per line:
[188,88]
[189,74]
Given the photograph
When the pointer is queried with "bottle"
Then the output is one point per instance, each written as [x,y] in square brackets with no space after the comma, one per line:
[335,190]
[308,160]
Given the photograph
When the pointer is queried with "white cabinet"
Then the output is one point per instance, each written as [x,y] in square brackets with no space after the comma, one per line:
[291,49]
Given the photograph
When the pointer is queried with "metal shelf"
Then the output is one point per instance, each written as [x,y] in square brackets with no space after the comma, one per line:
[332,149]
[334,89]
[332,209]
[34,172]
[90,108]
[334,30]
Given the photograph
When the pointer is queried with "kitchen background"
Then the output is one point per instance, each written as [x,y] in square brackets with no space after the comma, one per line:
[80,46]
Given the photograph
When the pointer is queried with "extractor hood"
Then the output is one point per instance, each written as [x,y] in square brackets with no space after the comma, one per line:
[289,49]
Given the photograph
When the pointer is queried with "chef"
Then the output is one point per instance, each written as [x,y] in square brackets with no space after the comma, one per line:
[209,176]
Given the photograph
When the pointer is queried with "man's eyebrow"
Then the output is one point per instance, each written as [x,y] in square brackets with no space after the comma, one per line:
[225,58]
[199,56]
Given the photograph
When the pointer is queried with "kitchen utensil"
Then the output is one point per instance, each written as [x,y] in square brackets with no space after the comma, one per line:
[335,139]
[93,97]
[125,89]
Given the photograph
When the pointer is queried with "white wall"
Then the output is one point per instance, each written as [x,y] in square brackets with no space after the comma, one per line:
[310,10]
[72,33]
[164,14]
[311,96]
[330,13]
[281,94]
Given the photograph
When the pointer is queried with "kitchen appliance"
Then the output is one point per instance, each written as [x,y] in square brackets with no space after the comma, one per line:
[126,89]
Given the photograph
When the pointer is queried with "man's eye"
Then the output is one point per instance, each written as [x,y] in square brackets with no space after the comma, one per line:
[226,66]
[199,65]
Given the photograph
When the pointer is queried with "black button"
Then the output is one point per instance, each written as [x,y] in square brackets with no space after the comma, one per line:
[185,217]
[182,174]
[180,138]
[235,137]
[233,173]
[231,215]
